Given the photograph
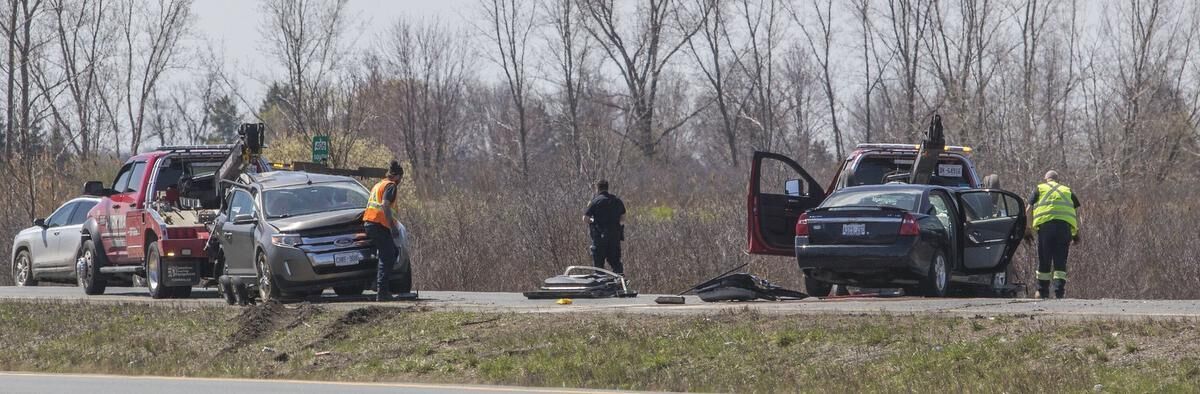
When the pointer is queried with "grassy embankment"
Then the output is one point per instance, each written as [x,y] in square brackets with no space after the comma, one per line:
[729,352]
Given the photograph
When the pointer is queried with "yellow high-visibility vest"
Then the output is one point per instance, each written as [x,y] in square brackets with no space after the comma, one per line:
[1055,203]
[376,207]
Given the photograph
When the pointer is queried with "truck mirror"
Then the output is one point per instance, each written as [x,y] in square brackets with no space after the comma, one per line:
[39,222]
[244,218]
[93,188]
[792,188]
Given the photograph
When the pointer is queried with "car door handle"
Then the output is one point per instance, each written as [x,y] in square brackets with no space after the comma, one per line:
[228,234]
[56,233]
[116,206]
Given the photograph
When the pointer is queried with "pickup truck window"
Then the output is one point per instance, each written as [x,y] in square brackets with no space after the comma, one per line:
[135,178]
[122,180]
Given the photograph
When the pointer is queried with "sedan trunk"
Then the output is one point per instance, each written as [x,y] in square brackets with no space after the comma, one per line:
[854,225]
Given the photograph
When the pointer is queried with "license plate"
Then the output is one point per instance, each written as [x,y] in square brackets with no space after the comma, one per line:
[343,259]
[854,229]
[950,170]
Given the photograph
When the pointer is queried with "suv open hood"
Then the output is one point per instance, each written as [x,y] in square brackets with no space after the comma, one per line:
[317,220]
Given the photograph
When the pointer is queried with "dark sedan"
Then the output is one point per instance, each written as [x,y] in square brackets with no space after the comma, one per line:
[918,237]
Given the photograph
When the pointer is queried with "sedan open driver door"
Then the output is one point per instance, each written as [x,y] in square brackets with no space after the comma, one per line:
[780,190]
[993,225]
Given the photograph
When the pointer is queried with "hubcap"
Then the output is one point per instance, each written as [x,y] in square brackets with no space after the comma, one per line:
[264,280]
[152,272]
[22,269]
[940,272]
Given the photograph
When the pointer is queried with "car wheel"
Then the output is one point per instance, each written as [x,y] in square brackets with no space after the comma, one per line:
[816,288]
[267,290]
[154,274]
[87,270]
[23,270]
[225,286]
[349,290]
[937,279]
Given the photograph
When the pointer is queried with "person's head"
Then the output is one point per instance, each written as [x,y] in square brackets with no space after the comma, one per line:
[601,185]
[1051,176]
[395,171]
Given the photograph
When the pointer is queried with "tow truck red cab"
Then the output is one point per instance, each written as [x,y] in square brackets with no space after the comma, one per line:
[150,221]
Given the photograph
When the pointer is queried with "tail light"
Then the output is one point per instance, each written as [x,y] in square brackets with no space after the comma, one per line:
[802,225]
[908,225]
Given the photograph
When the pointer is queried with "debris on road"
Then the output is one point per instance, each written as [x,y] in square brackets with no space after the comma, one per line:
[597,283]
[744,287]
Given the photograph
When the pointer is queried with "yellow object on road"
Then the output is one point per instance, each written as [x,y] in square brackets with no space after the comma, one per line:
[564,301]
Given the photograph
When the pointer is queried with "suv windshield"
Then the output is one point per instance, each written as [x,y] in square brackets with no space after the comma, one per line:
[904,199]
[874,169]
[309,199]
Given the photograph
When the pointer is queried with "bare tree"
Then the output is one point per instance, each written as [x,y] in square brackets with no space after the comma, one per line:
[152,43]
[84,34]
[714,59]
[820,42]
[510,25]
[909,21]
[305,37]
[640,58]
[571,56]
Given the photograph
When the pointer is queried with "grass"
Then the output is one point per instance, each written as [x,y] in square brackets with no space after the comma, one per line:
[730,352]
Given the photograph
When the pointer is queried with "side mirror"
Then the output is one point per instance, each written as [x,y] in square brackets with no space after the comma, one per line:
[245,218]
[39,222]
[93,188]
[792,188]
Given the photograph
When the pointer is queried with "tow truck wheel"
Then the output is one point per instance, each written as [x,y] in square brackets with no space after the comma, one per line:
[267,291]
[88,271]
[937,280]
[154,273]
[23,270]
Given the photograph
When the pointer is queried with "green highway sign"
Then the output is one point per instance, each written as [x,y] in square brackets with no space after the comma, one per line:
[320,148]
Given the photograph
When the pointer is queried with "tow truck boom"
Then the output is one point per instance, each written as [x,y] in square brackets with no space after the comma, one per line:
[927,156]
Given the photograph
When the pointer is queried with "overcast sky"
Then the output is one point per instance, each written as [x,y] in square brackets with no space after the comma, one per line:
[232,28]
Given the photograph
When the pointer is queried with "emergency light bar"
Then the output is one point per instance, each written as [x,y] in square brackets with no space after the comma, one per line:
[949,148]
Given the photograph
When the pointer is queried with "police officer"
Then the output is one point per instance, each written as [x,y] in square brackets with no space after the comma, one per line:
[1055,211]
[604,216]
[379,219]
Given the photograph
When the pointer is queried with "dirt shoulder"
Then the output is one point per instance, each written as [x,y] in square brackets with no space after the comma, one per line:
[738,351]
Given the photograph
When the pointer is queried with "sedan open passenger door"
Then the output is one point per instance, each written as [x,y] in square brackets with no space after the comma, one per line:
[993,225]
[780,190]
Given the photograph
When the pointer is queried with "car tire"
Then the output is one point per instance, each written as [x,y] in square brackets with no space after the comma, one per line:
[349,290]
[87,269]
[23,270]
[154,274]
[937,278]
[267,288]
[815,287]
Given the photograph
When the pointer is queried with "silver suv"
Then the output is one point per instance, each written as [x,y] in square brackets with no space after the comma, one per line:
[47,250]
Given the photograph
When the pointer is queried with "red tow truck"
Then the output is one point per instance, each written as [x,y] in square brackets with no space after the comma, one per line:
[150,223]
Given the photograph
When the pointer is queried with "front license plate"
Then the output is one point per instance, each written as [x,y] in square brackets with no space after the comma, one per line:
[343,259]
[854,229]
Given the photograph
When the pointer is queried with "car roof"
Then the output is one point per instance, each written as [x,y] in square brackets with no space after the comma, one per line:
[891,187]
[277,179]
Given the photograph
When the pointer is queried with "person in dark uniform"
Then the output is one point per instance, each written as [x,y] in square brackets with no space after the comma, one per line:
[1054,209]
[604,215]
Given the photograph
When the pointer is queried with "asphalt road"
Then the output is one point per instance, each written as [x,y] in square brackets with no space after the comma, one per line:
[18,382]
[515,302]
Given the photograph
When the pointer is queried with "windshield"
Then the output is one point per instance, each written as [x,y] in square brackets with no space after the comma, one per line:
[308,199]
[874,169]
[904,199]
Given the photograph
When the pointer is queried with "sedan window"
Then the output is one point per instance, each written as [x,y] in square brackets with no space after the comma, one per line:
[939,208]
[907,200]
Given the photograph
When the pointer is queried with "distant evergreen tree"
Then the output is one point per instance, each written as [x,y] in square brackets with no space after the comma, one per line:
[276,98]
[223,115]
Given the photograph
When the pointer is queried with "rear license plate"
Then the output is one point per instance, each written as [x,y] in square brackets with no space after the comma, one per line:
[343,259]
[854,229]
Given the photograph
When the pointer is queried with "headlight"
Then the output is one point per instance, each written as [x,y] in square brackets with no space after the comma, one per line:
[289,240]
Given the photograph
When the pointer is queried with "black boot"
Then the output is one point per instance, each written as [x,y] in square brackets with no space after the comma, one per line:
[1043,289]
[1060,288]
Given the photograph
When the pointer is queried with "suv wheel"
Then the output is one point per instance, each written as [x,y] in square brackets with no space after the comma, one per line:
[267,290]
[87,270]
[154,273]
[23,270]
[937,279]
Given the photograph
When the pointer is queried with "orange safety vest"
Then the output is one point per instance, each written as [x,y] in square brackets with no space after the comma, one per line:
[375,212]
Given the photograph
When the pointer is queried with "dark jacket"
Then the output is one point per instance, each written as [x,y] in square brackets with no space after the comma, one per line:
[606,211]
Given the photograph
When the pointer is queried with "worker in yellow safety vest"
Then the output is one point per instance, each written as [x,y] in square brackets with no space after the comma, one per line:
[1055,218]
[379,220]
